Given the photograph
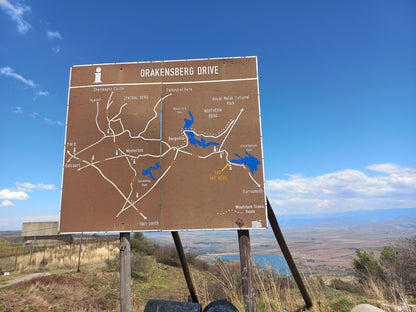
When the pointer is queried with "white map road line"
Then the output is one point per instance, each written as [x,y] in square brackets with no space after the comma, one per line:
[154,109]
[77,153]
[96,119]
[235,121]
[250,175]
[153,186]
[109,181]
[118,114]
[109,99]
[116,118]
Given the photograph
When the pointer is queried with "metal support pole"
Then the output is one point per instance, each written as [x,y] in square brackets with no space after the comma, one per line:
[15,261]
[246,270]
[184,265]
[79,255]
[125,273]
[34,244]
[286,253]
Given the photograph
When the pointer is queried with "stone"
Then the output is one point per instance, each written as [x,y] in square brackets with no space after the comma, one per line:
[365,307]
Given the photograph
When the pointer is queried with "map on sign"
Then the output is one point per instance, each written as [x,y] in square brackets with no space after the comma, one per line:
[172,145]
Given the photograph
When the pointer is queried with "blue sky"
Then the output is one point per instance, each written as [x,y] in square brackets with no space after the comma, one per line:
[337,90]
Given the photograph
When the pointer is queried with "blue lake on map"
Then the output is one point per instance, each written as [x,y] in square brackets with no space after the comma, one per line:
[191,135]
[276,262]
[250,161]
[148,171]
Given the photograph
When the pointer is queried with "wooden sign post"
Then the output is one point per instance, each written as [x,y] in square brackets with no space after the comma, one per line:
[246,270]
[125,272]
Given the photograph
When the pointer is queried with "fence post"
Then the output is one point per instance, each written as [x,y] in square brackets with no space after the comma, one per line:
[31,251]
[79,254]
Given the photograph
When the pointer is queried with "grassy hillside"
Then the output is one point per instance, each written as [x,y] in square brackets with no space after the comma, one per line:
[96,287]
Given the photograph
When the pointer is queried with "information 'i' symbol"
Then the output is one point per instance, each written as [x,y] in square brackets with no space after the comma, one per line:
[97,75]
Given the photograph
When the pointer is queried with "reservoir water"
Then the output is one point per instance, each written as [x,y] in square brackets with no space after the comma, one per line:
[276,262]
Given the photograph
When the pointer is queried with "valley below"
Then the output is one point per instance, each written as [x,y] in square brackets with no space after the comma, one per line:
[324,248]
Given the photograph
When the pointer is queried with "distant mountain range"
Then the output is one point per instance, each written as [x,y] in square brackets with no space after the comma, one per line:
[405,217]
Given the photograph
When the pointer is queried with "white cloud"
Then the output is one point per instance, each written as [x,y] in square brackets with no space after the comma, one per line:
[20,192]
[37,116]
[17,110]
[6,203]
[56,49]
[42,93]
[28,187]
[53,35]
[41,186]
[52,122]
[13,194]
[346,190]
[16,11]
[16,223]
[47,120]
[8,71]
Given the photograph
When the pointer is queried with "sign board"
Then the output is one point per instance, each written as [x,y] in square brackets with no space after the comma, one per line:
[171,145]
[38,229]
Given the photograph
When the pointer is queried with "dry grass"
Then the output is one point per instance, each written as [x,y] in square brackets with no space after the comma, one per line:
[390,296]
[89,291]
[98,289]
[42,258]
[278,293]
[67,256]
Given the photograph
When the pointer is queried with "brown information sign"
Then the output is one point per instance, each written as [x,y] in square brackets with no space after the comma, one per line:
[172,145]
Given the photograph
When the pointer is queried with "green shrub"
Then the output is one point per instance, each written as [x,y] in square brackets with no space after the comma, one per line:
[342,285]
[43,263]
[142,244]
[399,262]
[367,267]
[266,306]
[396,264]
[139,265]
[167,255]
[341,304]
[199,264]
[113,264]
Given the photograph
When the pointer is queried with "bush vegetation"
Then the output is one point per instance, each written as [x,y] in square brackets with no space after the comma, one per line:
[169,256]
[392,274]
[143,245]
[339,284]
[386,276]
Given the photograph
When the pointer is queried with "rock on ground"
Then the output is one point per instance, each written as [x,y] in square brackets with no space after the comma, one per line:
[366,308]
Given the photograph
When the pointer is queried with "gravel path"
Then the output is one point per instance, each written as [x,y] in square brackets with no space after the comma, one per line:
[24,278]
[35,275]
